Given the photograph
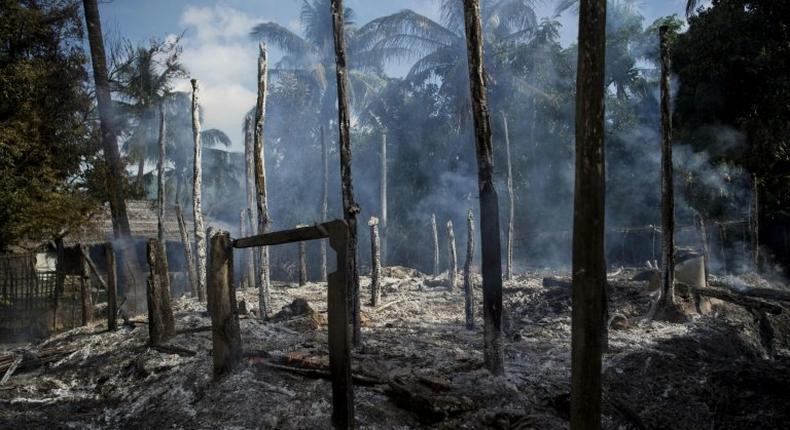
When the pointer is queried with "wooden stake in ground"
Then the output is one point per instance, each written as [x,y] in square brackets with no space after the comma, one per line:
[260,180]
[197,185]
[350,207]
[112,288]
[302,260]
[375,262]
[452,256]
[666,308]
[754,223]
[160,198]
[493,348]
[702,232]
[225,333]
[161,324]
[589,259]
[435,234]
[511,203]
[85,287]
[189,258]
[324,197]
[383,196]
[469,298]
[249,173]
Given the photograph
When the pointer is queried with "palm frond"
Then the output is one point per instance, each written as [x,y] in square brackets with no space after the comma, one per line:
[214,138]
[277,35]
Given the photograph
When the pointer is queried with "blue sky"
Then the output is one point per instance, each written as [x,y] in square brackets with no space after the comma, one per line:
[219,52]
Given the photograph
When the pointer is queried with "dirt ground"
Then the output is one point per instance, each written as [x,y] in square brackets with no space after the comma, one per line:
[719,371]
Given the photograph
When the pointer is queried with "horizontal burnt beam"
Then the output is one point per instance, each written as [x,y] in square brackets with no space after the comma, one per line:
[318,231]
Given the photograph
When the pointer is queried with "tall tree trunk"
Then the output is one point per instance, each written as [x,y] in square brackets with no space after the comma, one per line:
[469,297]
[666,309]
[140,174]
[350,207]
[383,196]
[435,234]
[589,258]
[452,256]
[754,223]
[189,258]
[511,203]
[260,180]
[493,349]
[324,197]
[115,191]
[197,184]
[249,175]
[375,262]
[702,232]
[160,199]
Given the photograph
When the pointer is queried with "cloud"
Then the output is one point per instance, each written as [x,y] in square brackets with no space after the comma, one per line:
[219,53]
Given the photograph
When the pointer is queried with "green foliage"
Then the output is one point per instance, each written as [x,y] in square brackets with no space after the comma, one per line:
[43,110]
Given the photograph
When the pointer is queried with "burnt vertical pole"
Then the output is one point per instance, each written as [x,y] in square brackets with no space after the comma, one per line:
[225,333]
[302,261]
[469,297]
[754,223]
[435,236]
[197,195]
[383,197]
[160,199]
[262,199]
[112,288]
[249,174]
[511,202]
[375,262]
[339,330]
[350,207]
[589,258]
[324,197]
[493,349]
[161,324]
[452,257]
[85,287]
[189,257]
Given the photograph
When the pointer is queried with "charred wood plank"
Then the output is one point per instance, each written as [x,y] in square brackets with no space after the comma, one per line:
[225,332]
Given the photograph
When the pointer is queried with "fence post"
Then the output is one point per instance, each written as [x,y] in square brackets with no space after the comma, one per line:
[85,287]
[225,332]
[340,329]
[112,288]
[161,324]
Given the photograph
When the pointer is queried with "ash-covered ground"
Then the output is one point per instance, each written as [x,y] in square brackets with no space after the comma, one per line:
[419,367]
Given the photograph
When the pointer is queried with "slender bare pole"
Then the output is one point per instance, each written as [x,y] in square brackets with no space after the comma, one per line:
[197,195]
[493,348]
[350,207]
[383,196]
[112,288]
[260,180]
[375,262]
[589,260]
[469,298]
[754,223]
[324,197]
[452,256]
[511,203]
[249,165]
[435,234]
[188,256]
[160,198]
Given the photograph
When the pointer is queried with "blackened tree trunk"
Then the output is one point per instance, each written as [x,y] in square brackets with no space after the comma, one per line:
[589,259]
[115,189]
[754,223]
[260,181]
[666,308]
[435,234]
[324,197]
[469,298]
[197,195]
[85,287]
[452,256]
[493,349]
[375,262]
[160,198]
[383,196]
[189,257]
[249,175]
[302,260]
[511,203]
[161,324]
[112,288]
[702,232]
[350,207]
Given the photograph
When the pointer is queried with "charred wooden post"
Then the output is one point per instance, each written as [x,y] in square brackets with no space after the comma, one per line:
[666,308]
[511,203]
[452,256]
[245,281]
[302,260]
[723,247]
[225,332]
[339,320]
[702,232]
[189,258]
[112,288]
[493,349]
[375,262]
[469,298]
[249,173]
[161,324]
[60,279]
[589,258]
[324,198]
[85,287]
[350,207]
[383,196]
[260,180]
[754,223]
[435,235]
[197,195]
[160,198]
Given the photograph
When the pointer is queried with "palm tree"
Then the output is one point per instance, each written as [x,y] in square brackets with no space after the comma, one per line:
[143,79]
[441,47]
